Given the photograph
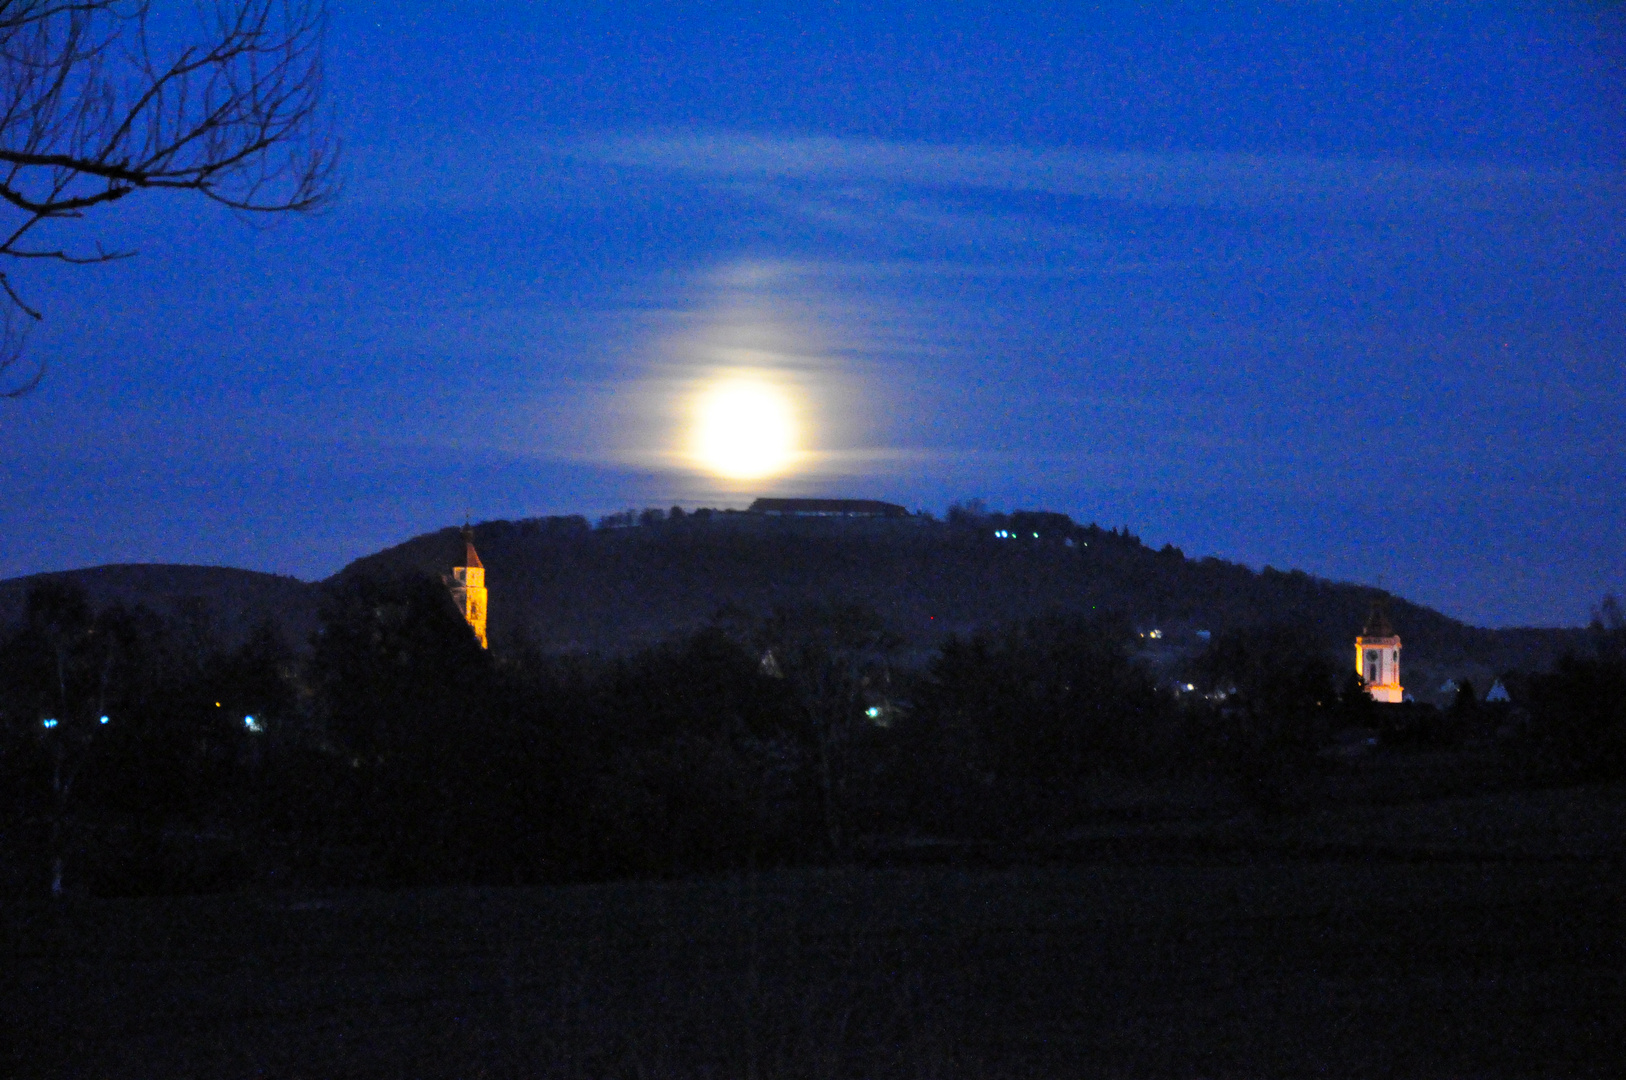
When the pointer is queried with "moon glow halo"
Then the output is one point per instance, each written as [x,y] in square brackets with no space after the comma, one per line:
[744,427]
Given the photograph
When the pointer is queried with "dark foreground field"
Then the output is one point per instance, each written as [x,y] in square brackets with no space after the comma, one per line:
[1469,938]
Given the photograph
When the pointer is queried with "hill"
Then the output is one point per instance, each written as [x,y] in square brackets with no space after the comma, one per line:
[229,603]
[570,587]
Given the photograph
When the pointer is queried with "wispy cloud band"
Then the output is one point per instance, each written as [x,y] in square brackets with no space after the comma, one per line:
[1166,179]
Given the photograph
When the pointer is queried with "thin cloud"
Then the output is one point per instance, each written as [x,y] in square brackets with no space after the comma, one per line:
[1164,179]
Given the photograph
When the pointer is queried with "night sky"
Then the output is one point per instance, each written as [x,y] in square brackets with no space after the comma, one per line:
[1328,286]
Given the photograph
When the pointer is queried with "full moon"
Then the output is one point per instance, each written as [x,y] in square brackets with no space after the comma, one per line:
[744,428]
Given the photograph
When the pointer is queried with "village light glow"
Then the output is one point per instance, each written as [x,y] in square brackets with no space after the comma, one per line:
[744,427]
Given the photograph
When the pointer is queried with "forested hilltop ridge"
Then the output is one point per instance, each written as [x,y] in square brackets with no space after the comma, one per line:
[562,584]
[635,579]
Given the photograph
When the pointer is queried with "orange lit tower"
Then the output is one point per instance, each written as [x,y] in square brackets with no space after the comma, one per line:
[468,585]
[1377,657]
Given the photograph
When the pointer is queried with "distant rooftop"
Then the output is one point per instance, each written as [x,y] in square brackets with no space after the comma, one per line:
[868,508]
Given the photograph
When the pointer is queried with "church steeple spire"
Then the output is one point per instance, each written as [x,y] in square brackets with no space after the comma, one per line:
[468,585]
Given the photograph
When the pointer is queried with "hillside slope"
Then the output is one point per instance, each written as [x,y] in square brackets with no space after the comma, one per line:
[569,587]
[231,603]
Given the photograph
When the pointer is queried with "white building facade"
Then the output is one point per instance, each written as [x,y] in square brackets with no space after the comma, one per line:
[1377,658]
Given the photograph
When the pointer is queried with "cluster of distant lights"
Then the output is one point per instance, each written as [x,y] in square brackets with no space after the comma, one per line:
[873,712]
[1011,534]
[249,723]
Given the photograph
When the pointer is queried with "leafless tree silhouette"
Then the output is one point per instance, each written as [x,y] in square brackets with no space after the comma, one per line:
[101,98]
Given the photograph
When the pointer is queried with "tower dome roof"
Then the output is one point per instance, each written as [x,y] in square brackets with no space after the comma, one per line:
[1377,623]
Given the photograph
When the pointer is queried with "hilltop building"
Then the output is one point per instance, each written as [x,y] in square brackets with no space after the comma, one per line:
[1377,657]
[860,508]
[468,585]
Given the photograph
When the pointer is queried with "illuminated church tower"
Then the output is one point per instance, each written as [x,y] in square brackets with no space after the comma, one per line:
[468,585]
[1377,657]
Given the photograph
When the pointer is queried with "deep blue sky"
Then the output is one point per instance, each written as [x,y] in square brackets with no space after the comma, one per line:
[1330,286]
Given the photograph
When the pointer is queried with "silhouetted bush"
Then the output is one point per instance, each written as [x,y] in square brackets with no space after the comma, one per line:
[1005,726]
[1267,701]
[1576,725]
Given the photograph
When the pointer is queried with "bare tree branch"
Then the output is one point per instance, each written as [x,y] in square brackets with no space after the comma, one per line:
[12,339]
[103,98]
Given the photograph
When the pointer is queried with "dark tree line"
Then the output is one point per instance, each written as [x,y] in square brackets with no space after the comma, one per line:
[120,731]
[1578,710]
[394,751]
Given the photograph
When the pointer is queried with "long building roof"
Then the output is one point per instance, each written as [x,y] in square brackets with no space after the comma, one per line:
[828,508]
